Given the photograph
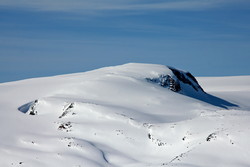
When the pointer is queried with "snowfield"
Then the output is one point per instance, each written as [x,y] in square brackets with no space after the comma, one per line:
[133,115]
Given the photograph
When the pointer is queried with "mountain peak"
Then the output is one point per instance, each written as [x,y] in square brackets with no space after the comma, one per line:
[128,115]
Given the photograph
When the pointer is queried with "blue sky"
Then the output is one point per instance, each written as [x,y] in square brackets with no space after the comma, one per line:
[45,38]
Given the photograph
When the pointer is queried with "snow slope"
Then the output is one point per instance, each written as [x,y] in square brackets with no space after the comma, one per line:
[115,117]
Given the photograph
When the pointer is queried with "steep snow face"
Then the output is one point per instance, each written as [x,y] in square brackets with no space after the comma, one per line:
[130,115]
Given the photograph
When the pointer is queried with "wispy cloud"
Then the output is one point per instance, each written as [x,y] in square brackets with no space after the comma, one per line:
[109,5]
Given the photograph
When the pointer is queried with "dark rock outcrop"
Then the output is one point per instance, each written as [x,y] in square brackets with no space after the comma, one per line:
[187,78]
[166,81]
[176,79]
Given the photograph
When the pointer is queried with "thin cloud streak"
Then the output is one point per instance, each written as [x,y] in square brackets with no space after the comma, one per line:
[79,6]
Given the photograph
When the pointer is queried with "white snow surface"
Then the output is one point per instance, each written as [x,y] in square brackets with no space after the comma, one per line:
[114,117]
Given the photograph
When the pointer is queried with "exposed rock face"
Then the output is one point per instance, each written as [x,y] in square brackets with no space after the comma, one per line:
[32,110]
[166,81]
[187,78]
[177,80]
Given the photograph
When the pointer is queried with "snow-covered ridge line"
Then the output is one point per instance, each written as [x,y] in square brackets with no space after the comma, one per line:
[167,77]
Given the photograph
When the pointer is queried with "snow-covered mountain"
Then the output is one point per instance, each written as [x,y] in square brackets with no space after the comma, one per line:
[133,115]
